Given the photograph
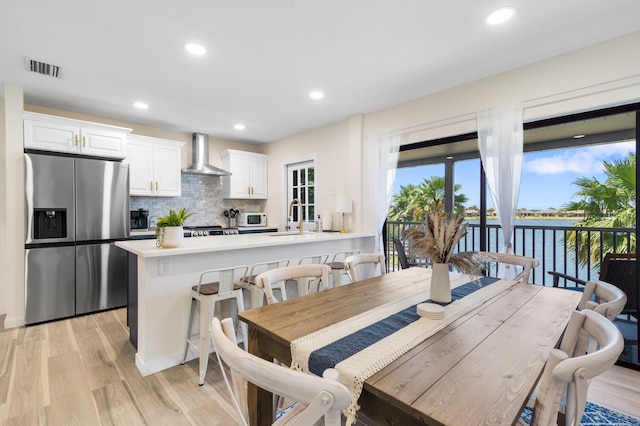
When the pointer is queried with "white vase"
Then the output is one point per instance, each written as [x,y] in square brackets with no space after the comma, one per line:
[440,283]
[171,236]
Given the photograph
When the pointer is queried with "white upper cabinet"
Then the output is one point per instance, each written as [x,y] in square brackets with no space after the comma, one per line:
[58,134]
[249,174]
[154,166]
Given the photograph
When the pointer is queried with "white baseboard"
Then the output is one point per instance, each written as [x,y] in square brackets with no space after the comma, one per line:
[164,363]
[147,368]
[13,322]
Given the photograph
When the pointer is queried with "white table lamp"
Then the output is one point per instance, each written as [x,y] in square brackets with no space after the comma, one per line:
[343,205]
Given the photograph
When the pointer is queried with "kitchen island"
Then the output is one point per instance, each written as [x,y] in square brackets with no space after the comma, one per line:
[160,281]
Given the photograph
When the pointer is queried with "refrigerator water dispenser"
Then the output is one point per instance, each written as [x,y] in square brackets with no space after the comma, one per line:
[50,223]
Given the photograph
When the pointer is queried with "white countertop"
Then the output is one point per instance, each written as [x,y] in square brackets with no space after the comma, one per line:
[148,249]
[138,232]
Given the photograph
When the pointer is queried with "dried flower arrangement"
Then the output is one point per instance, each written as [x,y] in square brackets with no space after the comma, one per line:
[443,231]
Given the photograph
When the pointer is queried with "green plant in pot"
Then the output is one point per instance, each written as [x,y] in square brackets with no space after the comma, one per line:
[169,231]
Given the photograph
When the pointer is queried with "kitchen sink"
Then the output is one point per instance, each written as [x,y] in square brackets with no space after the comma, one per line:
[280,234]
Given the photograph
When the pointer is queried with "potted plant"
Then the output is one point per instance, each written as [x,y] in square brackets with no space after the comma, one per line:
[169,231]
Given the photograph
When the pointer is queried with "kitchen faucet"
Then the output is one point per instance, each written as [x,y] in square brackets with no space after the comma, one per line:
[295,200]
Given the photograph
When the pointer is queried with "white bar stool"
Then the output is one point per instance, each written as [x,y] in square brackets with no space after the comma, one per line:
[206,295]
[318,259]
[339,266]
[248,281]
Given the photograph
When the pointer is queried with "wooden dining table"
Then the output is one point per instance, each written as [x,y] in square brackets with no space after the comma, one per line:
[479,369]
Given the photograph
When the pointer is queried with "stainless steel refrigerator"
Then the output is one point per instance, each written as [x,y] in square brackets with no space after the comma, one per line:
[76,208]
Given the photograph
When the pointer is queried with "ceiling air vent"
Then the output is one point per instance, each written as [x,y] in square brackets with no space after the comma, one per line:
[43,68]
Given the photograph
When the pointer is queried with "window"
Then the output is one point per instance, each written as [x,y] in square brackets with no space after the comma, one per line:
[301,186]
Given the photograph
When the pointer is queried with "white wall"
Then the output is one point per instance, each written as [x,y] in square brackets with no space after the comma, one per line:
[12,209]
[601,75]
[3,210]
[330,146]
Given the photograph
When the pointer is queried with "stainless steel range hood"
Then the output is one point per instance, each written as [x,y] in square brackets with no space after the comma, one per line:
[200,164]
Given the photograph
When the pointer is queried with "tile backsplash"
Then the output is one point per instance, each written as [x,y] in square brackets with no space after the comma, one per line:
[201,194]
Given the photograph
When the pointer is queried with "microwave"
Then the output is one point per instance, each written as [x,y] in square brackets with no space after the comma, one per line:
[251,219]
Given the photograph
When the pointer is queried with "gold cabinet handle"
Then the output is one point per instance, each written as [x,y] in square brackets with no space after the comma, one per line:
[150,186]
[252,190]
[156,185]
[76,140]
[249,190]
[84,141]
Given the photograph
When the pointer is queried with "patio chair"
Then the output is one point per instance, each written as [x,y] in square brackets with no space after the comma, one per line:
[618,269]
[402,255]
[591,344]
[319,399]
[527,263]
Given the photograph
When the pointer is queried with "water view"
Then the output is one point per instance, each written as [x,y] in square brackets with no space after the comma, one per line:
[543,239]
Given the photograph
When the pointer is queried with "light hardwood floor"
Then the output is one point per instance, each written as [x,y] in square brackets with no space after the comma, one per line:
[81,371]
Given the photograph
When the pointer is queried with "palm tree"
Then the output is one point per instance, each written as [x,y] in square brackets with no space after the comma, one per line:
[411,203]
[611,204]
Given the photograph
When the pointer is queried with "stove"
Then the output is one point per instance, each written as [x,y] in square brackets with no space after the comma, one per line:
[210,230]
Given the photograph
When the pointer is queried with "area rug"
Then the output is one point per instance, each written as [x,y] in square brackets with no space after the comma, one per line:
[595,415]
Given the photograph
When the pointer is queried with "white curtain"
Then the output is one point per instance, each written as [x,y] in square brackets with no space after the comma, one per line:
[381,155]
[500,145]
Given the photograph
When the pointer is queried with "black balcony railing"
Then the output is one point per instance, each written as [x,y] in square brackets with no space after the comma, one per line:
[548,244]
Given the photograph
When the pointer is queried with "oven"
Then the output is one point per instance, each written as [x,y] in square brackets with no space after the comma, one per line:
[209,230]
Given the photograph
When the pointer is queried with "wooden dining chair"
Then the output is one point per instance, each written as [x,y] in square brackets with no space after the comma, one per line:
[618,269]
[319,399]
[316,273]
[374,262]
[590,345]
[248,281]
[509,260]
[603,298]
[318,259]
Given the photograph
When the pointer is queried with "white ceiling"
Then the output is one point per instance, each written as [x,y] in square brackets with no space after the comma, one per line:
[264,57]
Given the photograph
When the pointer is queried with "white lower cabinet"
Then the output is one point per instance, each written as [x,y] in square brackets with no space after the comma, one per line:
[249,174]
[59,134]
[154,166]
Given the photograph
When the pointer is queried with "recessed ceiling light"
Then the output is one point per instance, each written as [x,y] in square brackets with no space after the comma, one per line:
[499,16]
[239,126]
[316,95]
[579,136]
[140,105]
[449,157]
[195,49]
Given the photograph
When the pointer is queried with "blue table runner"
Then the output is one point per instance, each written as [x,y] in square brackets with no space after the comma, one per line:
[341,349]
